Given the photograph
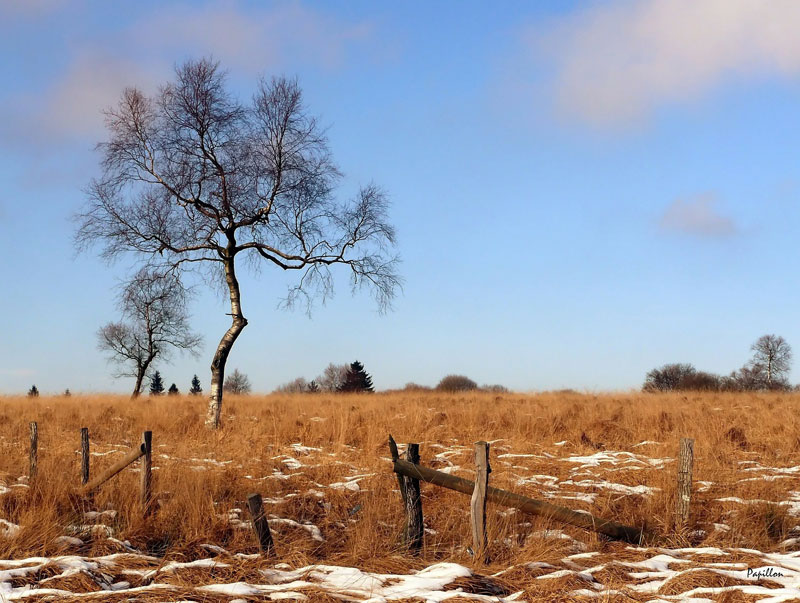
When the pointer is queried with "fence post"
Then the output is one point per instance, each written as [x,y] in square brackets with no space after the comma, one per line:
[147,467]
[34,453]
[260,524]
[684,494]
[415,525]
[84,455]
[477,507]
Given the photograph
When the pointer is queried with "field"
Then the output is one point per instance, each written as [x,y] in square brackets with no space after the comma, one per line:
[322,464]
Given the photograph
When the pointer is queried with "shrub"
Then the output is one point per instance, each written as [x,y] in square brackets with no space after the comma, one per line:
[456,383]
[33,392]
[173,390]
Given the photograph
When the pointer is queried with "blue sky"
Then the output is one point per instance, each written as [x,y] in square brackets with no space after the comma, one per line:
[582,191]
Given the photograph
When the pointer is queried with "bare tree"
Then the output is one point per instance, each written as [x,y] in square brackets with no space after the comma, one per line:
[194,177]
[333,377]
[773,355]
[154,324]
[237,383]
[293,387]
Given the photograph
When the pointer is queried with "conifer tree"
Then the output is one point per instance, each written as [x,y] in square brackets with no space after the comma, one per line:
[33,392]
[357,379]
[156,384]
[173,390]
[195,389]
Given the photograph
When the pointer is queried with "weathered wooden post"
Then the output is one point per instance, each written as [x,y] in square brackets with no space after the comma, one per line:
[260,524]
[684,494]
[477,507]
[415,525]
[84,455]
[147,470]
[34,453]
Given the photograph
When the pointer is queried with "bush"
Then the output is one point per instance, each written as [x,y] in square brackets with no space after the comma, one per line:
[495,389]
[173,390]
[33,392]
[456,383]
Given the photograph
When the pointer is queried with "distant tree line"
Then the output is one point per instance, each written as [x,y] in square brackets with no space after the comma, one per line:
[768,369]
[335,378]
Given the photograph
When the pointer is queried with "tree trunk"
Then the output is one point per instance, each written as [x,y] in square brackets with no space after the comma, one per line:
[141,371]
[238,324]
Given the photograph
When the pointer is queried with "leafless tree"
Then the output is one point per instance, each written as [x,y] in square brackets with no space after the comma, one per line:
[193,177]
[332,377]
[773,355]
[237,383]
[295,386]
[154,323]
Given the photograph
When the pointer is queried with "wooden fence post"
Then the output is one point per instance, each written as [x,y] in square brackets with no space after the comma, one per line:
[84,455]
[684,494]
[415,525]
[147,470]
[260,524]
[477,507]
[34,453]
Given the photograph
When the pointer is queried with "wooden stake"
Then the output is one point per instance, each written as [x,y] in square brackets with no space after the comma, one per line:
[260,524]
[415,526]
[84,455]
[684,494]
[477,507]
[34,453]
[147,470]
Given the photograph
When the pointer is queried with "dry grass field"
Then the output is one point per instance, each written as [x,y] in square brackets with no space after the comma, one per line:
[322,464]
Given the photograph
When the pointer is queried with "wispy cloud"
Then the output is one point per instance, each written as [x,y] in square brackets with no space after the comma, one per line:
[699,216]
[249,41]
[616,62]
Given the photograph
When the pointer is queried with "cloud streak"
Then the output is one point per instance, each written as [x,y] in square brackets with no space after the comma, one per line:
[618,62]
[698,216]
[250,42]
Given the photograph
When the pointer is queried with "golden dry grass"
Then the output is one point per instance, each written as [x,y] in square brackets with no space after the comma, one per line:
[201,476]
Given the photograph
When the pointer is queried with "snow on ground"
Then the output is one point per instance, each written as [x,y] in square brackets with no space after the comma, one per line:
[575,480]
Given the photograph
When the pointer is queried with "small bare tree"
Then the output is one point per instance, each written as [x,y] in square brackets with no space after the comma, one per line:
[154,324]
[772,354]
[332,377]
[194,177]
[237,383]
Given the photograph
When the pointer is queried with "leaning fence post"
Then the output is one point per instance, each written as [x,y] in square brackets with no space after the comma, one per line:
[477,507]
[34,453]
[415,526]
[260,524]
[84,455]
[147,470]
[685,462]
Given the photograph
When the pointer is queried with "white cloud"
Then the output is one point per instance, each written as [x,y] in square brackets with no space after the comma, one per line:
[249,42]
[698,216]
[616,62]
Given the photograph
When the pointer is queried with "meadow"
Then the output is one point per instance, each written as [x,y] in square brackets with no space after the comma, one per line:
[321,463]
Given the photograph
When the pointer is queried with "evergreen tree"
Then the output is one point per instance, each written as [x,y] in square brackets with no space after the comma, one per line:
[156,384]
[357,379]
[173,390]
[195,389]
[33,392]
[67,393]
[313,387]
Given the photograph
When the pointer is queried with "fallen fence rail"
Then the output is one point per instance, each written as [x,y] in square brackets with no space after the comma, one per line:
[612,529]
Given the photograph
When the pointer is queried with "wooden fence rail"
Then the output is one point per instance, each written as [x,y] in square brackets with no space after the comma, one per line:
[106,475]
[612,529]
